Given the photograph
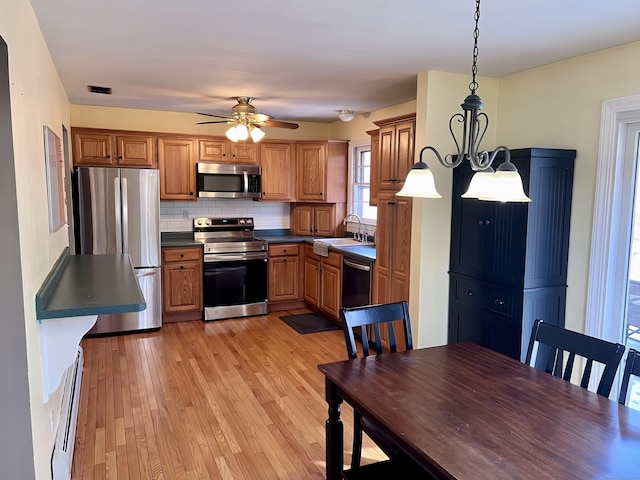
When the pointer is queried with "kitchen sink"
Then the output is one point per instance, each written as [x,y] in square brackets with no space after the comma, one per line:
[339,242]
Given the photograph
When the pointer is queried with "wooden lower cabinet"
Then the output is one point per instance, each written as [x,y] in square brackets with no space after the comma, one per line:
[181,283]
[323,282]
[284,273]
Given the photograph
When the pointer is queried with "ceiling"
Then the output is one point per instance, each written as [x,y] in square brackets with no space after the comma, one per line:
[304,60]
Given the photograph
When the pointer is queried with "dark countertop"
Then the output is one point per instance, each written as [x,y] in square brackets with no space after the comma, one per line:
[81,285]
[185,239]
[178,239]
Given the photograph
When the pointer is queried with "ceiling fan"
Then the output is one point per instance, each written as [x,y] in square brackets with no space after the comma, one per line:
[246,121]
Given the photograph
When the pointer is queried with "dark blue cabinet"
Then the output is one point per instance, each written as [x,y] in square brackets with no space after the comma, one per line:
[508,263]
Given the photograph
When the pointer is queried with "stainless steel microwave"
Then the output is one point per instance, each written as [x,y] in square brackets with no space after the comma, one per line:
[223,180]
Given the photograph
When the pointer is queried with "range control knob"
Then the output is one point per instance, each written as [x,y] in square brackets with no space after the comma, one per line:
[207,221]
[199,222]
[241,221]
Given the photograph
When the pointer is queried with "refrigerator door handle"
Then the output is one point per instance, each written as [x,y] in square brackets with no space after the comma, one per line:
[125,216]
[118,214]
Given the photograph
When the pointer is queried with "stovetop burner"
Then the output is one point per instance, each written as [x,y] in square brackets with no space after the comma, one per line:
[227,235]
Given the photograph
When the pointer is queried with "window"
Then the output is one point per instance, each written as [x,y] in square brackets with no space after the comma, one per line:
[360,190]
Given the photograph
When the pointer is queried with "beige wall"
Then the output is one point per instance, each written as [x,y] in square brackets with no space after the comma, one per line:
[37,99]
[175,122]
[439,97]
[559,106]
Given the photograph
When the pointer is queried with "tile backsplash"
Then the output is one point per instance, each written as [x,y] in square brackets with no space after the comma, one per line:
[177,216]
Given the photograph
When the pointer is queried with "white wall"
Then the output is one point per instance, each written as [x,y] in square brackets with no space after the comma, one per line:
[37,99]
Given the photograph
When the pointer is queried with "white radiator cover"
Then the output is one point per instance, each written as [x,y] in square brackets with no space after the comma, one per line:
[62,457]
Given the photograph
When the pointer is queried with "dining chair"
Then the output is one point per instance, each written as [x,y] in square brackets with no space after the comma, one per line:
[553,341]
[632,367]
[373,317]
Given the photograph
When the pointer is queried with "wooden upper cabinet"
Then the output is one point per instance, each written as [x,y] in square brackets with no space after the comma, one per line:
[136,151]
[395,152]
[321,172]
[107,148]
[93,149]
[244,152]
[221,150]
[176,158]
[318,220]
[277,171]
[213,150]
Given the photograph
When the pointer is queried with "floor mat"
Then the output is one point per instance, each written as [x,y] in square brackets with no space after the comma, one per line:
[304,323]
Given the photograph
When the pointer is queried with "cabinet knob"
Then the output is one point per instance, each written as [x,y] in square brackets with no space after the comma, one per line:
[469,293]
[285,250]
[284,260]
[487,222]
[190,193]
[499,302]
[181,255]
[107,156]
[224,154]
[321,193]
[264,193]
[181,267]
[391,203]
[119,157]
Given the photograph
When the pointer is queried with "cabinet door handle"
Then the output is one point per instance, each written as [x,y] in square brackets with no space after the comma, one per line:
[391,203]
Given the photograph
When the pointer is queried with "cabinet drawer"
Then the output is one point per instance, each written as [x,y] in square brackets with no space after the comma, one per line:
[181,254]
[502,301]
[284,250]
[468,292]
[334,259]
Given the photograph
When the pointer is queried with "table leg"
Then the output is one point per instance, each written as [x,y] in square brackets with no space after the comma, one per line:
[335,433]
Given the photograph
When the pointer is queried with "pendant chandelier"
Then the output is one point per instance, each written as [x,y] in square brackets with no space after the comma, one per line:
[503,185]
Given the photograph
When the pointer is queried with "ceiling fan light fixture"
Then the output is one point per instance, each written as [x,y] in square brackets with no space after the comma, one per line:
[232,134]
[256,134]
[346,115]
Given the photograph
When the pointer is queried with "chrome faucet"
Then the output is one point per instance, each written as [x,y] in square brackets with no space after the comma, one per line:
[356,236]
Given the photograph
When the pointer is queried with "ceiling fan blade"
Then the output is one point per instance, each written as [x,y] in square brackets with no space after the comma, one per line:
[212,115]
[276,123]
[217,121]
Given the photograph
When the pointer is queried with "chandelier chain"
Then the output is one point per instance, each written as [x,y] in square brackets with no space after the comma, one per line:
[473,86]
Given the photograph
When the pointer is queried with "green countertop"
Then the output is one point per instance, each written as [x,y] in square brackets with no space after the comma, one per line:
[80,285]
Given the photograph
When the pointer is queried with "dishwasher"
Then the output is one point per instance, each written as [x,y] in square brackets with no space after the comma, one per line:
[356,282]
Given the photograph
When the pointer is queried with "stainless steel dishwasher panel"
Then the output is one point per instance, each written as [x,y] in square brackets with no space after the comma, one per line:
[356,282]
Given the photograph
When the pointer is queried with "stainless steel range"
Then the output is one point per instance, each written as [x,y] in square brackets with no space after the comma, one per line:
[235,267]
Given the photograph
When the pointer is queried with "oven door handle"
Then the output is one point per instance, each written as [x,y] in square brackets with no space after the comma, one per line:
[231,257]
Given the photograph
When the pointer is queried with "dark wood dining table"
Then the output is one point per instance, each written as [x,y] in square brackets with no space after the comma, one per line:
[462,411]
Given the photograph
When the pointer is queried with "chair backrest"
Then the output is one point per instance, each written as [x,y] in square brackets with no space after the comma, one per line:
[554,341]
[632,367]
[375,315]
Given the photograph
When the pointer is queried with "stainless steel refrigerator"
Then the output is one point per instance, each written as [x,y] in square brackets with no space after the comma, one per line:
[118,211]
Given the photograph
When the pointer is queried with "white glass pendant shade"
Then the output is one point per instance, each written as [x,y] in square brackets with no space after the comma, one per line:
[419,183]
[346,115]
[256,134]
[482,184]
[232,134]
[243,132]
[507,186]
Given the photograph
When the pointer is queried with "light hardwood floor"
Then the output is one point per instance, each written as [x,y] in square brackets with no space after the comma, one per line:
[230,399]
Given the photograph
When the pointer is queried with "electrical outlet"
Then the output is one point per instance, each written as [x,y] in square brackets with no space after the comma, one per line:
[185,214]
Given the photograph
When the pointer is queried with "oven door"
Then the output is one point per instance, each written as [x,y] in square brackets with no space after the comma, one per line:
[235,285]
